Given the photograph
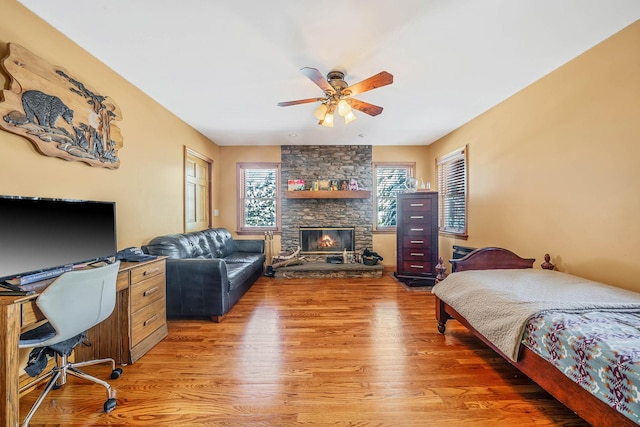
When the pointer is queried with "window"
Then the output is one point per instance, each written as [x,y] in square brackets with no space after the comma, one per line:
[258,197]
[389,180]
[452,192]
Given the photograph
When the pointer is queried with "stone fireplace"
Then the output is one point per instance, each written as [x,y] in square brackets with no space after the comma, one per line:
[326,240]
[330,162]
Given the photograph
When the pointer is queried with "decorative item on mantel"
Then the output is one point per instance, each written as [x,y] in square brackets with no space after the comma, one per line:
[295,184]
[326,189]
[61,116]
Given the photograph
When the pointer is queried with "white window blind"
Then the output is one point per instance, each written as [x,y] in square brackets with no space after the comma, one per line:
[452,192]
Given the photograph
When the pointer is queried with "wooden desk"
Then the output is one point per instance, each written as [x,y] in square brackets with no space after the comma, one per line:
[137,323]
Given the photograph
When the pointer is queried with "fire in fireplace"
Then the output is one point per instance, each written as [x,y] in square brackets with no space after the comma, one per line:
[326,240]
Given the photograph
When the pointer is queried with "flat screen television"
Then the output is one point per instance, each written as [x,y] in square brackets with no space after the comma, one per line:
[39,234]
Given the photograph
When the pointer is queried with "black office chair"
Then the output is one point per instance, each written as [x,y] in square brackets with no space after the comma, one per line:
[68,319]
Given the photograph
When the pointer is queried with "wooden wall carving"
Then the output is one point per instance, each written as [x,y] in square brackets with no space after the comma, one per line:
[60,115]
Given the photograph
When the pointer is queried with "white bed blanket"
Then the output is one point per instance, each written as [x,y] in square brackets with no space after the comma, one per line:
[498,303]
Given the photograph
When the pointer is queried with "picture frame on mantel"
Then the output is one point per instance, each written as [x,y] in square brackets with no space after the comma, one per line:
[59,114]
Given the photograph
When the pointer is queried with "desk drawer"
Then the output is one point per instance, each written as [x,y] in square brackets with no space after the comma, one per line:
[147,291]
[141,273]
[146,320]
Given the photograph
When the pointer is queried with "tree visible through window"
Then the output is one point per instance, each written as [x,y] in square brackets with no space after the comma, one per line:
[452,192]
[390,179]
[259,204]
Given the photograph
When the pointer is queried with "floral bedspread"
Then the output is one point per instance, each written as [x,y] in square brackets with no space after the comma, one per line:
[599,350]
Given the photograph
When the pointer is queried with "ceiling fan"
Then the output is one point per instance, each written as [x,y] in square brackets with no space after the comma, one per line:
[338,95]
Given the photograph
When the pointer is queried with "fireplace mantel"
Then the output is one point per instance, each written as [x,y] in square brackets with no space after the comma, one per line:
[326,194]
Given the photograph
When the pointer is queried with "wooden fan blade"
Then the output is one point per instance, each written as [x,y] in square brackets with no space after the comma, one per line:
[299,101]
[381,79]
[365,107]
[315,76]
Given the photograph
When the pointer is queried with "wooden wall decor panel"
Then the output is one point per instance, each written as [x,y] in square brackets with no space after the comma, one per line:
[61,116]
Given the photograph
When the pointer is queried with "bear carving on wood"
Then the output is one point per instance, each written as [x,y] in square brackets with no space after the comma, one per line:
[40,94]
[46,108]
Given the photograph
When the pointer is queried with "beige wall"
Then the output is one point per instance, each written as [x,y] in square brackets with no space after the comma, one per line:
[148,186]
[556,167]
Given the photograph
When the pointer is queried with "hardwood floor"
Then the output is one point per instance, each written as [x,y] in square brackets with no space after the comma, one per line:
[354,352]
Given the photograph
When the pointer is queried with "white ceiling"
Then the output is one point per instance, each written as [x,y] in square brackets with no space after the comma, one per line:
[222,66]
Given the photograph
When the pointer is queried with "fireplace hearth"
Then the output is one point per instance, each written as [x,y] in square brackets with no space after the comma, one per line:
[326,240]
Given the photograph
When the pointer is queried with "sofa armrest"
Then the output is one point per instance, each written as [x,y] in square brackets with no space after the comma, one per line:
[249,245]
[197,287]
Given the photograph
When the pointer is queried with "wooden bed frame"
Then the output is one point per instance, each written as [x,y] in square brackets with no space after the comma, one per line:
[547,376]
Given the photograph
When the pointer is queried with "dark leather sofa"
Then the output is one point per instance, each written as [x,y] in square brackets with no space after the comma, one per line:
[207,271]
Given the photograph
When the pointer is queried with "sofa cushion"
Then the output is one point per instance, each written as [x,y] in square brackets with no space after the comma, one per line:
[175,246]
[227,244]
[219,242]
[238,274]
[198,245]
[180,246]
[246,257]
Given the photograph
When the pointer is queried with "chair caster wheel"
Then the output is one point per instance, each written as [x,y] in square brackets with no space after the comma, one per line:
[109,405]
[56,386]
[115,374]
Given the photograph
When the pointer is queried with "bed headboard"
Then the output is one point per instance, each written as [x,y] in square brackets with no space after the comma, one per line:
[490,258]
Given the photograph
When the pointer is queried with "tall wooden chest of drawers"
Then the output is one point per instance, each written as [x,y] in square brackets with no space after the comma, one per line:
[417,238]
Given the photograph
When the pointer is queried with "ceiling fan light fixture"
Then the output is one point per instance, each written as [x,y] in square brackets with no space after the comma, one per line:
[349,117]
[321,111]
[327,121]
[343,108]
[337,95]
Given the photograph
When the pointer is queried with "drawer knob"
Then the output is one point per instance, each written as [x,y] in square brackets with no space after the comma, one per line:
[416,266]
[417,204]
[152,271]
[150,320]
[417,216]
[150,291]
[416,229]
[417,241]
[416,254]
